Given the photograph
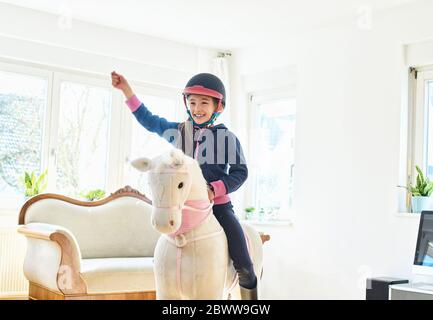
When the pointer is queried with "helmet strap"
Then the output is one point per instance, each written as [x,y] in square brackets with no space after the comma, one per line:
[212,119]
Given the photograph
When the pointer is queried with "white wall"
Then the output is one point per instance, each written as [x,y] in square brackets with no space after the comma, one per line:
[34,36]
[349,93]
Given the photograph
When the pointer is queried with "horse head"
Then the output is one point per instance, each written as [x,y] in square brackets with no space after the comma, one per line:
[174,178]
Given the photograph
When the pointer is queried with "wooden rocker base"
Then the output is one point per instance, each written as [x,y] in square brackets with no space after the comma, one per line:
[37,292]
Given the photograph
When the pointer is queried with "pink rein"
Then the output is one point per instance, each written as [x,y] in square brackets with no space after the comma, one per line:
[194,212]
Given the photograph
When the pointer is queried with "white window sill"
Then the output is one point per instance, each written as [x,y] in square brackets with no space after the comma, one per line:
[276,223]
[412,215]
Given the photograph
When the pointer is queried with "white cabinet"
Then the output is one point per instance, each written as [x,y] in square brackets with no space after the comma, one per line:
[411,291]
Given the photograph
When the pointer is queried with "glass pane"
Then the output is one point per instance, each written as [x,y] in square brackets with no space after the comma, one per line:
[23,101]
[82,138]
[429,97]
[274,184]
[147,144]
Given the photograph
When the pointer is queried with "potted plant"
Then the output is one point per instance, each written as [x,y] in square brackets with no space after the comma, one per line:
[249,213]
[33,184]
[421,192]
[93,194]
[261,214]
[271,213]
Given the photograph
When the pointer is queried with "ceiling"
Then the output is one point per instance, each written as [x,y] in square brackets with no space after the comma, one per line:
[222,24]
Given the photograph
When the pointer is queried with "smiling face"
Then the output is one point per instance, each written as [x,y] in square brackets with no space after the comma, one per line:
[202,107]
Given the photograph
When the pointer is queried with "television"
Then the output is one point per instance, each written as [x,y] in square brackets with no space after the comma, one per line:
[423,262]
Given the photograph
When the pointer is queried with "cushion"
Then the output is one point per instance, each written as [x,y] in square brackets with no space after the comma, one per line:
[118,274]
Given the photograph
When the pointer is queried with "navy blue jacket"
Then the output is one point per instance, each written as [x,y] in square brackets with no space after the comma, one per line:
[232,170]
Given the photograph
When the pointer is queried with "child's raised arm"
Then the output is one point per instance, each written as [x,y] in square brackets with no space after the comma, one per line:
[151,122]
[119,82]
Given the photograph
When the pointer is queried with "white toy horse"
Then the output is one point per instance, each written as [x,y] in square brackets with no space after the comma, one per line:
[191,258]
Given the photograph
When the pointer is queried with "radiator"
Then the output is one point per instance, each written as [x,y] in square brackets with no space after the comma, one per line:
[12,252]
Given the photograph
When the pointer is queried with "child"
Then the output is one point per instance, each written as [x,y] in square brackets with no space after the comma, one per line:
[205,95]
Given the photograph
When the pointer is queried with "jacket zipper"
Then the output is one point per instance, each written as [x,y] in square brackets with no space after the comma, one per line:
[197,144]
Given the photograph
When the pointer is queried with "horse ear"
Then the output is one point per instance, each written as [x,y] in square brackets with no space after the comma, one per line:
[176,159]
[142,164]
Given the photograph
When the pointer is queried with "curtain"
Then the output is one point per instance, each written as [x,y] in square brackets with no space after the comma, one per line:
[220,68]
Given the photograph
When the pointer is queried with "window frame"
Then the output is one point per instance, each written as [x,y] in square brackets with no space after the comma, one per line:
[413,136]
[417,149]
[421,118]
[255,100]
[7,203]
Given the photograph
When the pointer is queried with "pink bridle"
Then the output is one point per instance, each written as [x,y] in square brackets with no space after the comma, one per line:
[194,212]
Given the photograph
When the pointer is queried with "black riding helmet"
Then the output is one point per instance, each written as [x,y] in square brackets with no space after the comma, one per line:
[206,84]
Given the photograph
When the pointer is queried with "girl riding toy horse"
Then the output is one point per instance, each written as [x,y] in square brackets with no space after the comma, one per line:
[191,258]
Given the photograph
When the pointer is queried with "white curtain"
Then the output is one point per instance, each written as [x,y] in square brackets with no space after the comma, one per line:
[220,68]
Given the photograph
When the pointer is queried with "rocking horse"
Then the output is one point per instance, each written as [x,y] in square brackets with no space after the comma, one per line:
[191,259]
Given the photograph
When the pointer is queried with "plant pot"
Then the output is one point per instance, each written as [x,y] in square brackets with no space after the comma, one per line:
[421,203]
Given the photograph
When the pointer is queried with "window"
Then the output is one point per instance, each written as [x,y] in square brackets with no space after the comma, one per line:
[417,132]
[273,149]
[428,87]
[76,126]
[82,138]
[148,144]
[422,133]
[23,106]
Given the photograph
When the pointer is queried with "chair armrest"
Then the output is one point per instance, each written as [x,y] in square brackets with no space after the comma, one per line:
[41,231]
[58,249]
[264,237]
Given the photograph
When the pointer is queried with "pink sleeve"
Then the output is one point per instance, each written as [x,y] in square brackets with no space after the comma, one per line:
[133,103]
[219,188]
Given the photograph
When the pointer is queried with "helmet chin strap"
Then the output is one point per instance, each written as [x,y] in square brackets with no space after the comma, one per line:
[208,123]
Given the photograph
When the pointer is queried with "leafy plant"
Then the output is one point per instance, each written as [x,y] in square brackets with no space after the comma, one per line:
[423,186]
[34,184]
[93,194]
[261,213]
[250,209]
[249,212]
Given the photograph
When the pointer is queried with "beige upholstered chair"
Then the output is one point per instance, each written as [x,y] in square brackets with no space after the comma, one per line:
[89,250]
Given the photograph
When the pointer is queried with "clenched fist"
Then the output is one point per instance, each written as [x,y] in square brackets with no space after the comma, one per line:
[119,82]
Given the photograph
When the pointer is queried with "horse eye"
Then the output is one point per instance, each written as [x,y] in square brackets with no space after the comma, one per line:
[180,185]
